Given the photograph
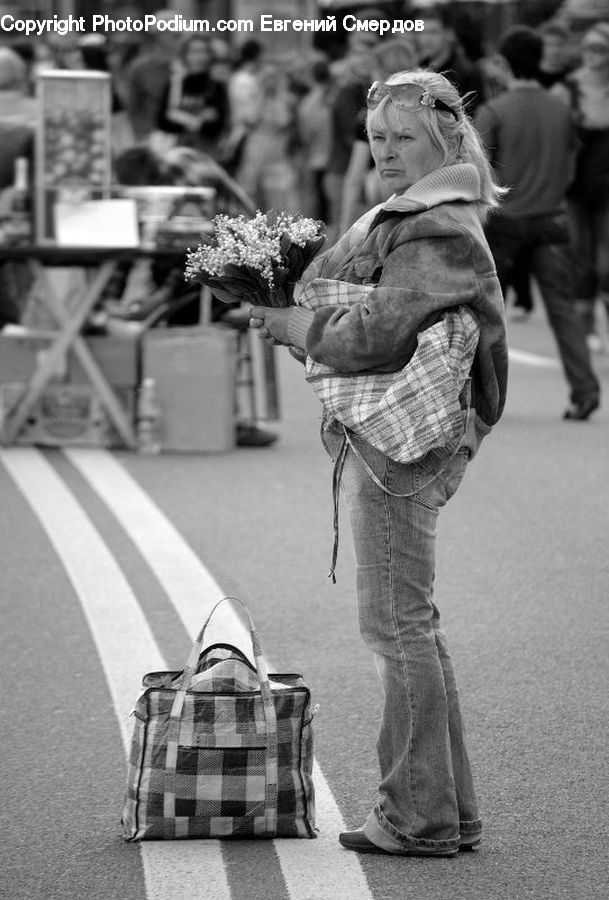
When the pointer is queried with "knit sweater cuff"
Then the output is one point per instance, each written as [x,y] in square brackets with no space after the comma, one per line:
[298,325]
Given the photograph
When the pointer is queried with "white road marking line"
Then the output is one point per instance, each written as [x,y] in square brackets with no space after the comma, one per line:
[127,650]
[533,359]
[312,869]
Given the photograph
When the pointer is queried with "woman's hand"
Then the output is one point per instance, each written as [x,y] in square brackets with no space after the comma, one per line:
[272,323]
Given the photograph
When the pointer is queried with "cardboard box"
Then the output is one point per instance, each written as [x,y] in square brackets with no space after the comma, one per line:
[65,414]
[194,374]
[118,358]
[20,356]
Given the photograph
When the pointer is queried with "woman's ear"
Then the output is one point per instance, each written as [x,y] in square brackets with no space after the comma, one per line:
[454,146]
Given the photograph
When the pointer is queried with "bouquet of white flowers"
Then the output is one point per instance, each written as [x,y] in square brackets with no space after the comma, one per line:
[258,259]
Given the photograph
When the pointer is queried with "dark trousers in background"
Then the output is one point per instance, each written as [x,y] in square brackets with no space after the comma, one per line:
[546,241]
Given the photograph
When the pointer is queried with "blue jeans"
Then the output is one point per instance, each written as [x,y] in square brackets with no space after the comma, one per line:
[547,241]
[426,795]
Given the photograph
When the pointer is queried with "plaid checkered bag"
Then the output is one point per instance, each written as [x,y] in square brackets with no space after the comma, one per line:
[220,750]
[407,413]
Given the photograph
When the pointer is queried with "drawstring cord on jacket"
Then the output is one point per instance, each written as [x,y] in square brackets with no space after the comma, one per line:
[337,475]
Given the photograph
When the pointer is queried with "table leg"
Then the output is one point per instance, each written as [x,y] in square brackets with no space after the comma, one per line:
[94,373]
[69,334]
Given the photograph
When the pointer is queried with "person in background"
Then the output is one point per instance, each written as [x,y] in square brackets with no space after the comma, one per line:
[245,103]
[268,165]
[196,105]
[222,65]
[26,50]
[531,139]
[415,266]
[557,60]
[18,113]
[97,56]
[314,125]
[587,92]
[440,50]
[43,57]
[347,109]
[362,187]
[122,49]
[65,51]
[148,80]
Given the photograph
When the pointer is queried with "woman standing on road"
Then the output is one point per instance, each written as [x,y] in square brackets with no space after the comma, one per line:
[196,105]
[403,326]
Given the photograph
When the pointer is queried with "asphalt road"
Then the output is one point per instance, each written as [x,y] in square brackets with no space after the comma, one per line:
[105,576]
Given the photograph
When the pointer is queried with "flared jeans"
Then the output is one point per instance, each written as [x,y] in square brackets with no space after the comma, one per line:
[426,794]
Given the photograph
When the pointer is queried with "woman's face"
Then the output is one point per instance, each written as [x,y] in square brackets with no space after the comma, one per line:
[595,51]
[404,156]
[198,56]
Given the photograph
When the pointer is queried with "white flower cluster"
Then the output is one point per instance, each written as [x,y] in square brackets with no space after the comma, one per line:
[300,230]
[254,243]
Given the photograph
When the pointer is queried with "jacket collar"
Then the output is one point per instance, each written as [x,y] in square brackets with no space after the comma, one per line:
[458,182]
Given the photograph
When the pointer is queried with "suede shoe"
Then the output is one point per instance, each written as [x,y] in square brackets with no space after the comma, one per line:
[357,840]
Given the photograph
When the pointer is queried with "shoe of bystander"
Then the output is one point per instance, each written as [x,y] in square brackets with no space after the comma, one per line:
[249,435]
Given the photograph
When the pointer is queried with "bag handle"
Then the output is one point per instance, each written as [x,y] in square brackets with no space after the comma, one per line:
[270,721]
[193,660]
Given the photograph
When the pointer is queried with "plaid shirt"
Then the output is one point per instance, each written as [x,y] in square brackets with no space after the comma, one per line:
[406,413]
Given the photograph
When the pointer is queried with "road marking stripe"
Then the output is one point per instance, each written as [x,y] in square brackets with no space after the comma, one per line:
[533,359]
[311,869]
[126,648]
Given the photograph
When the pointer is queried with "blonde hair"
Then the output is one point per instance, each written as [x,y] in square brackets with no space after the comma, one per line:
[457,139]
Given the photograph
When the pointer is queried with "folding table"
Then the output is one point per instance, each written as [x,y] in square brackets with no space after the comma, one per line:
[68,335]
[259,375]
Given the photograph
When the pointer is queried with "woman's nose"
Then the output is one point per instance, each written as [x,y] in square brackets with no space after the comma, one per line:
[387,150]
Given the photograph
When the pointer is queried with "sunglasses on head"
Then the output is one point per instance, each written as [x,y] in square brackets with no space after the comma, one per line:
[407,96]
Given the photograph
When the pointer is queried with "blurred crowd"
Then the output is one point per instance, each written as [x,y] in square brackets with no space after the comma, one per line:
[289,130]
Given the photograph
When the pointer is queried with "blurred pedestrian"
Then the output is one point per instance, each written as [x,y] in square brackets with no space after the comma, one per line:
[18,111]
[531,139]
[314,124]
[195,109]
[414,266]
[557,60]
[587,91]
[267,169]
[18,114]
[348,111]
[245,103]
[440,50]
[222,60]
[65,50]
[149,79]
[96,57]
[43,58]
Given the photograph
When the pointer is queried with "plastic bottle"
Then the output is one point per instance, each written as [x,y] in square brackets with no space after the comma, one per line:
[18,228]
[148,418]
